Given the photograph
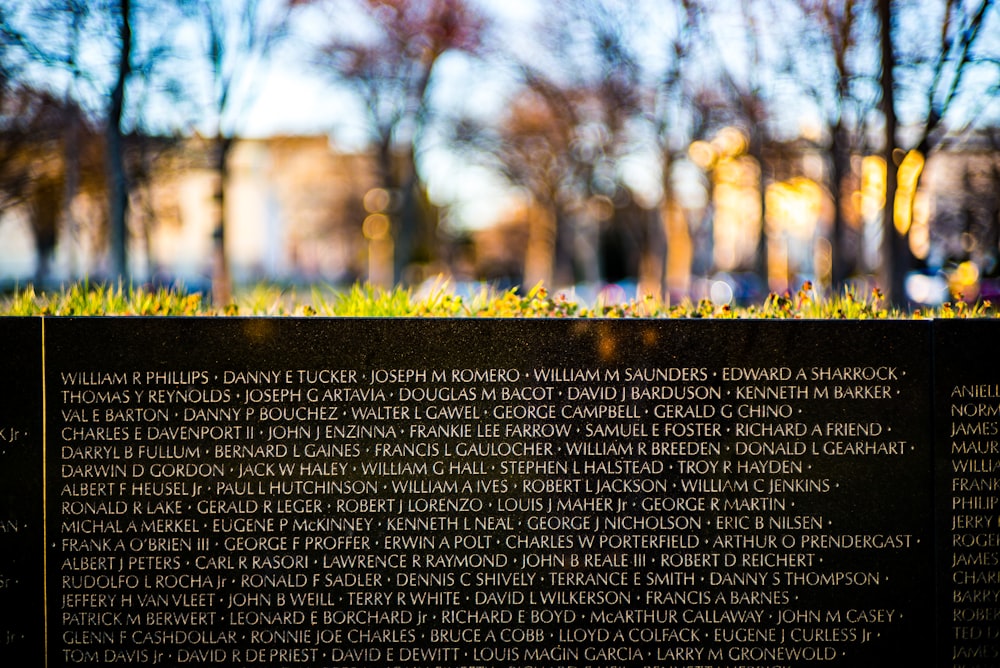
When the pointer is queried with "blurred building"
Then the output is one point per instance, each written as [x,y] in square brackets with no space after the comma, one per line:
[297,210]
[294,210]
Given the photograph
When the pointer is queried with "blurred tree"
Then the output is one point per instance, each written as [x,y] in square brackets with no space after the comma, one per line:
[81,56]
[863,54]
[34,167]
[51,148]
[237,36]
[77,13]
[937,47]
[613,98]
[840,36]
[13,105]
[531,148]
[750,81]
[672,110]
[65,24]
[606,85]
[35,121]
[571,121]
[388,58]
[690,69]
[118,186]
[895,250]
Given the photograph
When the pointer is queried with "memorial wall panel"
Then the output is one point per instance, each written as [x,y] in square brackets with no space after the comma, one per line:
[285,492]
[282,492]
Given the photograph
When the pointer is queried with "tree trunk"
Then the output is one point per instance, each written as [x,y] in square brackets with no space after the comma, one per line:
[653,274]
[761,261]
[71,153]
[117,177]
[895,250]
[540,252]
[382,251]
[842,246]
[45,207]
[564,271]
[408,217]
[71,160]
[222,287]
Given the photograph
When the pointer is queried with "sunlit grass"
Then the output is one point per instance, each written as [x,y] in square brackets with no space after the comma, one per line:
[86,299]
[361,300]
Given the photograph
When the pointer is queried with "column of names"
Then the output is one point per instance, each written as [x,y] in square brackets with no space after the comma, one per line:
[662,515]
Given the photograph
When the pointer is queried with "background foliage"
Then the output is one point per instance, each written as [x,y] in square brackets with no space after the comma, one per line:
[653,143]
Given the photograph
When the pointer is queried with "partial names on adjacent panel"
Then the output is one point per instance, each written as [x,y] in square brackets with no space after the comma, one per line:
[21,503]
[967,409]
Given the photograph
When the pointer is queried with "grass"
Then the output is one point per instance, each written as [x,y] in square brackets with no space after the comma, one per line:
[83,299]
